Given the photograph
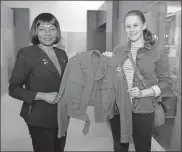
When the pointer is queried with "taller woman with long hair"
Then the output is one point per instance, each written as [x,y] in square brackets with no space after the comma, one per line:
[153,65]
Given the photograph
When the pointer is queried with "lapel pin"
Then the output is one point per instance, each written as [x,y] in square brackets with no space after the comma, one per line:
[62,59]
[119,70]
[45,61]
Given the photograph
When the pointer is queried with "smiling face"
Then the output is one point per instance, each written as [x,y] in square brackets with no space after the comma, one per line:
[134,27]
[47,34]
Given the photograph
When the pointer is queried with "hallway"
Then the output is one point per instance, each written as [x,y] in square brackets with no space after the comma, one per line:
[15,136]
[103,31]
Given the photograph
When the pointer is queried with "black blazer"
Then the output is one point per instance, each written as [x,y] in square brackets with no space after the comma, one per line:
[34,72]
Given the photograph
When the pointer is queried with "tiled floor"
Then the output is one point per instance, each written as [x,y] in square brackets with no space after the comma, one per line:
[14,132]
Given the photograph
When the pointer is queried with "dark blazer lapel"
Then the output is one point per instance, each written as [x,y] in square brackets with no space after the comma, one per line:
[61,60]
[48,63]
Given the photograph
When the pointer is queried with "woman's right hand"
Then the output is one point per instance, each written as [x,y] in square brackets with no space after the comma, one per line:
[108,54]
[48,97]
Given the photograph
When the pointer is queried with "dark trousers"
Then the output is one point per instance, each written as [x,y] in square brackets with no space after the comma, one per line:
[142,131]
[115,127]
[45,140]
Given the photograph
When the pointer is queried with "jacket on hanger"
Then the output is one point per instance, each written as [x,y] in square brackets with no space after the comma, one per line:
[83,86]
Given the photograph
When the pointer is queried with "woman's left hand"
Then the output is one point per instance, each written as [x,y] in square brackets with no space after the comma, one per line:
[135,92]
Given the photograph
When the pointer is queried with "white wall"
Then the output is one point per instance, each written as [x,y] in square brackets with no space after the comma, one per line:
[71,15]
[7,46]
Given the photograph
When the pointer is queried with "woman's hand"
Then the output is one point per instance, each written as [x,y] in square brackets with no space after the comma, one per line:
[108,54]
[48,97]
[136,92]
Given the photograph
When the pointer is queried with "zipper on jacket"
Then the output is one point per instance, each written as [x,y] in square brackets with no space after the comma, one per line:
[29,110]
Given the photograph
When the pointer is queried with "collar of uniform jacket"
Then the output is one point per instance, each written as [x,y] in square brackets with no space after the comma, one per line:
[87,68]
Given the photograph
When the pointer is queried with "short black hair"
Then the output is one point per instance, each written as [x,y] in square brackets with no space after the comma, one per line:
[44,18]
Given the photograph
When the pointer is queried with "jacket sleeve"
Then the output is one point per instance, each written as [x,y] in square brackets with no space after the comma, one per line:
[163,73]
[63,83]
[124,107]
[18,78]
[62,117]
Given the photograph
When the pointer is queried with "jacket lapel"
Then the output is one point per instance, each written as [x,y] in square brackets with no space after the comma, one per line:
[101,72]
[61,60]
[123,54]
[86,66]
[124,57]
[46,61]
[120,57]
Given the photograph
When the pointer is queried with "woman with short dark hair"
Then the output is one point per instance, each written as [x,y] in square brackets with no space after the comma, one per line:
[44,18]
[35,80]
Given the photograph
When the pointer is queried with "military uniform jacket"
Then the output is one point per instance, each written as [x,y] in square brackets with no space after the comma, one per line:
[76,91]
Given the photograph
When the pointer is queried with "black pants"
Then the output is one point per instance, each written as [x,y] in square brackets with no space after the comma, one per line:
[142,131]
[115,127]
[45,140]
